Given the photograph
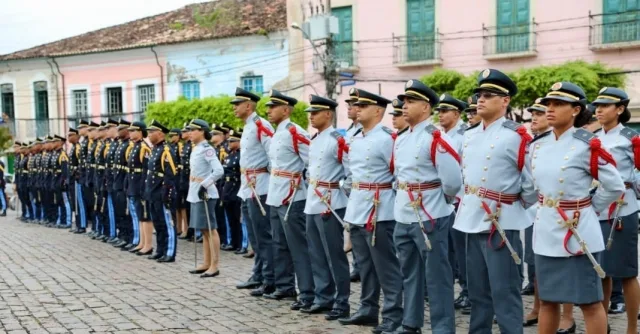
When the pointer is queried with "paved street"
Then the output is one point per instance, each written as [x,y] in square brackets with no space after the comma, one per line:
[57,282]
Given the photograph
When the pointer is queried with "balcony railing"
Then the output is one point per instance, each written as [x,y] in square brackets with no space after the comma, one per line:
[346,54]
[416,50]
[509,41]
[614,30]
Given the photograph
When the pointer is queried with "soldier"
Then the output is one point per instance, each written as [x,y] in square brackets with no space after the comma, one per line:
[353,128]
[231,166]
[137,155]
[203,194]
[325,207]
[399,123]
[174,142]
[19,180]
[567,260]
[254,162]
[60,182]
[3,184]
[370,215]
[472,111]
[118,191]
[160,192]
[539,127]
[219,142]
[493,160]
[40,169]
[48,194]
[75,188]
[620,222]
[102,216]
[32,169]
[184,206]
[88,146]
[115,209]
[288,156]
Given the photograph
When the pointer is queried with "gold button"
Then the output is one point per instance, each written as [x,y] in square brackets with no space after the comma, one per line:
[573,148]
[463,156]
[537,145]
[416,157]
[465,145]
[559,222]
[561,193]
[535,156]
[566,157]
[488,157]
[485,168]
[491,146]
[483,179]
[563,167]
[561,180]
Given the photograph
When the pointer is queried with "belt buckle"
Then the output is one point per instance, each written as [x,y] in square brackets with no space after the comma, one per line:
[313,182]
[551,203]
[403,185]
[243,171]
[472,190]
[355,185]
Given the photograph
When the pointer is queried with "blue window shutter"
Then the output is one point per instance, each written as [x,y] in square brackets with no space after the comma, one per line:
[512,22]
[344,46]
[621,21]
[420,30]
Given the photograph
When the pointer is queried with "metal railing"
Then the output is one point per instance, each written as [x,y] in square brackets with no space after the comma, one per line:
[415,49]
[509,39]
[613,28]
[346,54]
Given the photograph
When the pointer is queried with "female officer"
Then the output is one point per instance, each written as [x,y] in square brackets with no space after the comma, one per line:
[563,164]
[621,216]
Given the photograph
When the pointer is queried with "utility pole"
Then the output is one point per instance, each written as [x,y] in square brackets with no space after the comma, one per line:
[330,72]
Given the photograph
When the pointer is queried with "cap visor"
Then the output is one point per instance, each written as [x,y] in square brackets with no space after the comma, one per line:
[558,98]
[536,109]
[363,103]
[487,89]
[312,109]
[401,97]
[233,139]
[236,101]
[604,101]
[273,103]
[350,100]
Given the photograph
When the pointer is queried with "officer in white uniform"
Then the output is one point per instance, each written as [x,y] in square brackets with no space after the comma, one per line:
[493,161]
[289,156]
[254,183]
[355,126]
[328,154]
[370,215]
[428,174]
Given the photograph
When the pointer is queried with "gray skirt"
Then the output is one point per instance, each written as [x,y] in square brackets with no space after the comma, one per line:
[568,279]
[621,261]
[198,218]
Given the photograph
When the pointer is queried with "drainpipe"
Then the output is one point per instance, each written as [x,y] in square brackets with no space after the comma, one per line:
[64,93]
[161,75]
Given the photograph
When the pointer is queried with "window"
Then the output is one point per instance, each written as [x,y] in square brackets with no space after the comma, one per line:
[41,98]
[343,40]
[253,84]
[80,106]
[621,21]
[512,26]
[114,100]
[420,30]
[6,101]
[190,89]
[146,95]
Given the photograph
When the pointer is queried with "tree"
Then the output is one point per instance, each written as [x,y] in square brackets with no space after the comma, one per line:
[442,80]
[214,110]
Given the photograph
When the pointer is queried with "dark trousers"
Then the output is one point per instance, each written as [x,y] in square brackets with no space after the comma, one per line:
[36,204]
[27,211]
[88,200]
[122,215]
[232,209]
[166,243]
[616,294]
[260,236]
[49,204]
[222,222]
[102,213]
[63,208]
[79,207]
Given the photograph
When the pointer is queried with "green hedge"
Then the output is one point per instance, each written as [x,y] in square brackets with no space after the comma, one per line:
[214,110]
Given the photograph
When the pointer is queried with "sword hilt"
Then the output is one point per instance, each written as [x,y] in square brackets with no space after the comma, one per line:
[516,258]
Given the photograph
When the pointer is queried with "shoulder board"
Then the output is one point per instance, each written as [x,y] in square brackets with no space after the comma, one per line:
[583,135]
[256,118]
[206,145]
[473,126]
[334,134]
[628,133]
[462,129]
[597,130]
[509,124]
[387,130]
[290,125]
[542,135]
[430,128]
[357,131]
[403,130]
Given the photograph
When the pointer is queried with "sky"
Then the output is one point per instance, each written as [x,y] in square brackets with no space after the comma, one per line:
[28,23]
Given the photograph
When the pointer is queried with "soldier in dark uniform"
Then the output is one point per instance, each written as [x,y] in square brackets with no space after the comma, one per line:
[113,211]
[184,207]
[37,178]
[118,195]
[219,143]
[229,194]
[49,208]
[160,191]
[3,199]
[137,155]
[75,192]
[87,158]
[24,186]
[174,142]
[19,179]
[60,182]
[102,218]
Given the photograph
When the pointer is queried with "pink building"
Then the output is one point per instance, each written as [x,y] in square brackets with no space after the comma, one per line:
[398,40]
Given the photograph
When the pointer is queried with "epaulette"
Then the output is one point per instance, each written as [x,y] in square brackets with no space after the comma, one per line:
[509,124]
[628,133]
[206,145]
[473,126]
[387,130]
[430,128]
[403,131]
[462,129]
[583,135]
[290,125]
[256,118]
[542,135]
[334,134]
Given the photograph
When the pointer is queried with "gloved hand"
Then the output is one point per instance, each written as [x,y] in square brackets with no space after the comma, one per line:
[203,194]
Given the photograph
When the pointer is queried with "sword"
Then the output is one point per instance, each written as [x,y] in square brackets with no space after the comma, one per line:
[414,205]
[616,220]
[325,200]
[374,220]
[295,190]
[206,212]
[571,224]
[75,189]
[95,201]
[493,218]
[102,206]
[251,184]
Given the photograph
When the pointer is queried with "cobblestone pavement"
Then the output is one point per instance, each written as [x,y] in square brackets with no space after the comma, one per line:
[57,282]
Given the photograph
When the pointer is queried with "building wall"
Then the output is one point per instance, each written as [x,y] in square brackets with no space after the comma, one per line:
[562,34]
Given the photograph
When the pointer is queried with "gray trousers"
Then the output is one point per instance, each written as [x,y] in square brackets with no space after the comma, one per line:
[259,233]
[459,245]
[528,254]
[291,252]
[414,256]
[379,268]
[495,284]
[329,263]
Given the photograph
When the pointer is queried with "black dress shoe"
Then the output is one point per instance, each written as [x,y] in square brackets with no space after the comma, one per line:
[316,309]
[213,274]
[410,330]
[72,230]
[461,302]
[617,308]
[530,322]
[228,248]
[386,326]
[154,256]
[120,244]
[249,255]
[141,253]
[167,259]
[241,251]
[527,290]
[127,247]
[197,271]
[113,240]
[571,329]
[299,305]
[250,284]
[336,314]
[355,277]
[282,295]
[199,240]
[263,290]
[80,231]
[360,320]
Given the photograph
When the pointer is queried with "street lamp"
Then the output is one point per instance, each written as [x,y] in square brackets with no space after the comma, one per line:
[295,25]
